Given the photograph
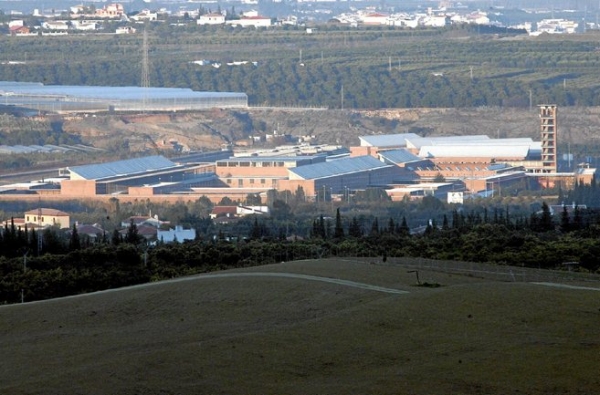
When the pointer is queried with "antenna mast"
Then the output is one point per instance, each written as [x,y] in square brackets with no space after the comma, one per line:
[145,69]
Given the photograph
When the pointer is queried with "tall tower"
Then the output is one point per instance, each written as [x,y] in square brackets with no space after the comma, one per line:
[548,124]
[145,82]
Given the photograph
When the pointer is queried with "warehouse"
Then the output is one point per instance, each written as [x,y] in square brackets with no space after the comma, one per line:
[155,174]
[339,176]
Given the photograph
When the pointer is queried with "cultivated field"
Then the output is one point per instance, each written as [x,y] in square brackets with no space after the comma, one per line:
[269,334]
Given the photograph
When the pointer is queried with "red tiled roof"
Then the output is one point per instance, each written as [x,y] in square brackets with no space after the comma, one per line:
[224,210]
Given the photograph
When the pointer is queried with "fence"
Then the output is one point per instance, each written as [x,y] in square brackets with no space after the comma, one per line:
[489,271]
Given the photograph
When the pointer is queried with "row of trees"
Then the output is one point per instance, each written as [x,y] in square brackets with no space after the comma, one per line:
[374,68]
[67,264]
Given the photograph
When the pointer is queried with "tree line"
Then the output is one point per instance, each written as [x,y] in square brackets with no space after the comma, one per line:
[374,67]
[70,264]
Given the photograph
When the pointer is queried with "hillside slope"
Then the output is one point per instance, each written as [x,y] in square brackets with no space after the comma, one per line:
[213,129]
[281,335]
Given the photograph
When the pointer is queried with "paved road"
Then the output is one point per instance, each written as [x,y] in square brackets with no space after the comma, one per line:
[336,281]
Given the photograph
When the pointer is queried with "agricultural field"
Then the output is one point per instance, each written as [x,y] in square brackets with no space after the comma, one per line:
[295,328]
[333,67]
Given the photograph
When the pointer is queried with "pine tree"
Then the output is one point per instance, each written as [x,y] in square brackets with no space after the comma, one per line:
[375,228]
[355,230]
[565,224]
[74,242]
[338,232]
[132,236]
[404,229]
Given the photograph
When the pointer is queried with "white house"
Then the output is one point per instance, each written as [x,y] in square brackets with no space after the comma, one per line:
[84,25]
[125,30]
[145,15]
[111,11]
[211,19]
[436,21]
[478,18]
[251,21]
[178,234]
[16,23]
[47,217]
[375,18]
[56,25]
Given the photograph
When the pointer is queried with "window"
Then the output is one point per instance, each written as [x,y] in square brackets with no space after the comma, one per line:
[240,183]
[229,180]
[244,164]
[251,181]
[262,181]
[221,164]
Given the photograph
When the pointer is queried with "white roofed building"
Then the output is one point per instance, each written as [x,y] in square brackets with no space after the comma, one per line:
[213,18]
[250,21]
[175,235]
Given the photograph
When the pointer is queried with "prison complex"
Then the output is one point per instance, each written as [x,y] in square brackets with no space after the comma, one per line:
[404,165]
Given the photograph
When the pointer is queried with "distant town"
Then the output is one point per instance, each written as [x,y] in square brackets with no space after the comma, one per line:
[126,18]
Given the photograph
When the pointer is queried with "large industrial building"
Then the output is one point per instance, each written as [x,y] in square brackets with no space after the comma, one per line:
[72,99]
[405,165]
[479,162]
[139,176]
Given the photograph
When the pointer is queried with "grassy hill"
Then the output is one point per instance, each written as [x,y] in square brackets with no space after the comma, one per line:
[282,335]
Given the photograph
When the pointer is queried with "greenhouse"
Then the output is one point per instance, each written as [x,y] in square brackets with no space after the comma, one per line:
[68,99]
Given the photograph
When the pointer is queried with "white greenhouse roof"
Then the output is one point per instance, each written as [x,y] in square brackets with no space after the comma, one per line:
[474,151]
[338,167]
[105,92]
[71,98]
[101,171]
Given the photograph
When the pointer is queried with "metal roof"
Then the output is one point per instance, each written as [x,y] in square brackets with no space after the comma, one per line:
[474,151]
[123,167]
[418,142]
[498,166]
[386,140]
[338,167]
[271,158]
[399,156]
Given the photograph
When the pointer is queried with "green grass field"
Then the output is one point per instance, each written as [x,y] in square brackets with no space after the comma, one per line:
[282,335]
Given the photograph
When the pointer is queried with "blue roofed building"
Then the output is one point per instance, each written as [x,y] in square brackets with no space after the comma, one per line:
[146,175]
[342,175]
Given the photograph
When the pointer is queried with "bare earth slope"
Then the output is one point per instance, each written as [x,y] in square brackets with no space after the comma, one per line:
[212,129]
[285,335]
